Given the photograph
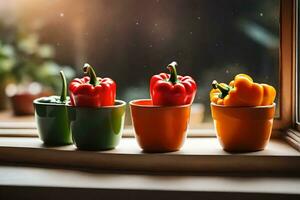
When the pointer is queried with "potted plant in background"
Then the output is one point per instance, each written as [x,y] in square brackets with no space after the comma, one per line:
[33,72]
[6,64]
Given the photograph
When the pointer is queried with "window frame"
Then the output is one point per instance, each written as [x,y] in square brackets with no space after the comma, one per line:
[287,80]
[287,65]
[296,115]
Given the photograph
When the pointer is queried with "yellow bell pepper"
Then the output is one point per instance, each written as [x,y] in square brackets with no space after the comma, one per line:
[242,91]
[215,95]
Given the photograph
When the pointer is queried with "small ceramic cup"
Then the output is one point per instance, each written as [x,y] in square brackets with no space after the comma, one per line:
[243,129]
[159,128]
[52,123]
[97,129]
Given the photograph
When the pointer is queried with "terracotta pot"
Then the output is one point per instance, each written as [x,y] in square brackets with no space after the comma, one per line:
[159,128]
[243,129]
[3,97]
[22,103]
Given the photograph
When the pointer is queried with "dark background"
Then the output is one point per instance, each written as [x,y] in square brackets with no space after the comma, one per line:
[130,40]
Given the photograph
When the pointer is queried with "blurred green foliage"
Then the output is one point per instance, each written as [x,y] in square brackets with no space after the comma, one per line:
[24,59]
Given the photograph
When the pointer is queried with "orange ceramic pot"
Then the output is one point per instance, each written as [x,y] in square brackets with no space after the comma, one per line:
[242,129]
[159,128]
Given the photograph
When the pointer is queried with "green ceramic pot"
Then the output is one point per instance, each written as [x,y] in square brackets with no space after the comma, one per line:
[52,123]
[97,129]
[52,117]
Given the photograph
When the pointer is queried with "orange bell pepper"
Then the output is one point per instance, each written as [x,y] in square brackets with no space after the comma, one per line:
[242,91]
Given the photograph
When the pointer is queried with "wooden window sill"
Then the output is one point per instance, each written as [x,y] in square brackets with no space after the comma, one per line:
[201,169]
[197,155]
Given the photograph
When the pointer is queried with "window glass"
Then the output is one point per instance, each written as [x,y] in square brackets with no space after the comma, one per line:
[130,40]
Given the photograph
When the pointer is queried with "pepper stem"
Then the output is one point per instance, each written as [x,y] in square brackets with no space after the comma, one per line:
[173,73]
[63,95]
[88,69]
[224,89]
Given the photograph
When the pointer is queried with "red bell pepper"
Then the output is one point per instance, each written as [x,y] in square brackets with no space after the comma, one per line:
[92,91]
[172,89]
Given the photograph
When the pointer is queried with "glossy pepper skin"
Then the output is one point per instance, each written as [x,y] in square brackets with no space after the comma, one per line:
[172,89]
[242,91]
[92,91]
